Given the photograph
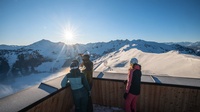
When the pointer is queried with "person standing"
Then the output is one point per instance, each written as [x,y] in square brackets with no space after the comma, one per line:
[79,85]
[132,86]
[87,69]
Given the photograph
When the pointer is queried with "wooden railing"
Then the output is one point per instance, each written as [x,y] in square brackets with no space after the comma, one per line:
[108,92]
[153,98]
[59,101]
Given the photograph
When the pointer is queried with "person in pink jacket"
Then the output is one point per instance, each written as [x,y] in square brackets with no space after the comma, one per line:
[132,85]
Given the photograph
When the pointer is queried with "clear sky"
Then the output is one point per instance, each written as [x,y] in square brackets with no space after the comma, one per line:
[23,22]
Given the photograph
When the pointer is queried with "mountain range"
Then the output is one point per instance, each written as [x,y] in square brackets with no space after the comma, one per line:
[46,56]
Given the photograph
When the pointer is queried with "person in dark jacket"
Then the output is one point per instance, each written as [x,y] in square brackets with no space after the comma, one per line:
[132,86]
[87,69]
[79,85]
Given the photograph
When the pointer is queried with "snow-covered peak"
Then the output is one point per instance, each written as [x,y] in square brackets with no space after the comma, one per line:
[9,47]
[42,44]
[145,46]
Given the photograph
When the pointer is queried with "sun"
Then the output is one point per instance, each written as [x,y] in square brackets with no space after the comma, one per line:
[69,35]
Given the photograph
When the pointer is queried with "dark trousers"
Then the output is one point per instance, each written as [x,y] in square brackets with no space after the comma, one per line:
[80,97]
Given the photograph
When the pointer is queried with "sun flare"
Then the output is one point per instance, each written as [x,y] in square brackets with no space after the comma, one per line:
[69,35]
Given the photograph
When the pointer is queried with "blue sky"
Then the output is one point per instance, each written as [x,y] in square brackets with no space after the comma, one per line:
[23,22]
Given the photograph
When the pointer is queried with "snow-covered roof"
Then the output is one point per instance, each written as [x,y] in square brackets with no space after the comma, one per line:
[20,100]
[24,98]
[119,76]
[195,82]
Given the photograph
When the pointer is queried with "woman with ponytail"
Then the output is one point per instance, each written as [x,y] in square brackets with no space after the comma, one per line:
[132,86]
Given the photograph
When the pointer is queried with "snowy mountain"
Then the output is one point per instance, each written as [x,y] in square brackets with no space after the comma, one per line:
[192,45]
[46,56]
[197,44]
[9,47]
[164,64]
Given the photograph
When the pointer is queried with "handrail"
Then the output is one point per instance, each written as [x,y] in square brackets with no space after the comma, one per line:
[154,83]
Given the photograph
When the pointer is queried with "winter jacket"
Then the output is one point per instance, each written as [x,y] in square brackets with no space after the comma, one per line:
[76,81]
[80,89]
[88,71]
[133,80]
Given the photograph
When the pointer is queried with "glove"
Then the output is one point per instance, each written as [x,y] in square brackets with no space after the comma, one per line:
[89,93]
[125,82]
[125,95]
